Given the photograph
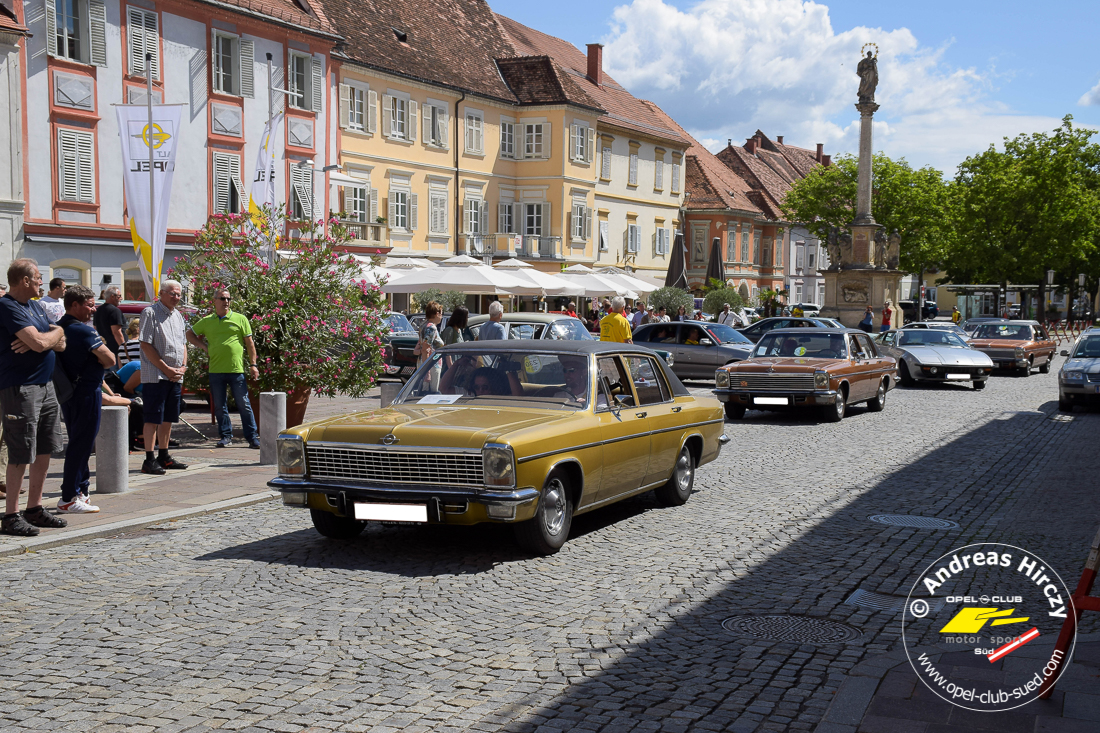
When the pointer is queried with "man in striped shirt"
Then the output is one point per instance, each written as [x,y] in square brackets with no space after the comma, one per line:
[163,364]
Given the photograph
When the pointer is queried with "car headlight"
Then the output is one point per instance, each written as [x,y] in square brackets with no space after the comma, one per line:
[1073,376]
[722,379]
[933,370]
[1020,353]
[291,455]
[821,380]
[669,359]
[499,465]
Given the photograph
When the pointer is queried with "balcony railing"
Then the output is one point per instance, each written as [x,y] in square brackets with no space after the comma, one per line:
[480,245]
[371,233]
[540,247]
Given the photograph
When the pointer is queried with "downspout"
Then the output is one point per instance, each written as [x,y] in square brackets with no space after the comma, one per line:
[458,208]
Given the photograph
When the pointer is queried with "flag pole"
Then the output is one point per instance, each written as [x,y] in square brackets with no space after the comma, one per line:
[270,106]
[154,276]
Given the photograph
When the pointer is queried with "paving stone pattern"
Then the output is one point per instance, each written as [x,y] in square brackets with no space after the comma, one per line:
[251,621]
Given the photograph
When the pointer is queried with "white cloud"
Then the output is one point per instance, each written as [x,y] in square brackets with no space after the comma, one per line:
[725,68]
[1090,97]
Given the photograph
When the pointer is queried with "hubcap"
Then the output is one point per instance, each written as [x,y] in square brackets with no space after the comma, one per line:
[840,404]
[683,471]
[881,393]
[553,507]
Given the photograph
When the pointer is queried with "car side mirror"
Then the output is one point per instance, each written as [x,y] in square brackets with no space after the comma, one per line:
[1063,352]
[706,342]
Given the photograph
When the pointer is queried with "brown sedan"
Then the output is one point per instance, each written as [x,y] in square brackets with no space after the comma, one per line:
[1020,345]
[824,368]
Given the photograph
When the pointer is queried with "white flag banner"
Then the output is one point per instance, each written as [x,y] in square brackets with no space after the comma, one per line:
[148,229]
[263,178]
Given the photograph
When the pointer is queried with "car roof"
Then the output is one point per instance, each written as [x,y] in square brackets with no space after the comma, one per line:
[581,347]
[524,318]
[673,323]
[816,331]
[931,324]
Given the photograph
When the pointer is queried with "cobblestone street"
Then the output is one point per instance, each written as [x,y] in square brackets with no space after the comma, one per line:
[251,620]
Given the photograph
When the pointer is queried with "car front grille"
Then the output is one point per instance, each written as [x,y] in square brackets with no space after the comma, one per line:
[1004,354]
[772,381]
[1094,377]
[395,466]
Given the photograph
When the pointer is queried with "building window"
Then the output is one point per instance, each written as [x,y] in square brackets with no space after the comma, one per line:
[357,203]
[799,255]
[780,242]
[798,293]
[229,194]
[398,117]
[474,133]
[70,29]
[403,210]
[536,140]
[580,221]
[605,163]
[435,125]
[532,223]
[811,258]
[662,239]
[767,261]
[475,218]
[659,175]
[632,179]
[77,30]
[437,212]
[675,177]
[633,238]
[820,294]
[507,139]
[699,244]
[506,218]
[301,193]
[358,107]
[76,174]
[731,243]
[581,141]
[233,64]
[756,247]
[298,75]
[142,38]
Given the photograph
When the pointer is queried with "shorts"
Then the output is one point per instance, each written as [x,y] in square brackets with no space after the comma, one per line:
[161,401]
[32,422]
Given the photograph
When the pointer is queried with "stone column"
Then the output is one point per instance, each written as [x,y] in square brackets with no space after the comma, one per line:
[272,422]
[866,151]
[112,470]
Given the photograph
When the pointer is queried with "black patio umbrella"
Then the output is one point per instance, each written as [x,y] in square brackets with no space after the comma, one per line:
[676,277]
[714,263]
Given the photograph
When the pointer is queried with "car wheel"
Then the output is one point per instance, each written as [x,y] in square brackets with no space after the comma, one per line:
[878,402]
[1064,405]
[980,385]
[835,412]
[734,411]
[904,375]
[547,531]
[678,488]
[1026,371]
[1045,368]
[336,527]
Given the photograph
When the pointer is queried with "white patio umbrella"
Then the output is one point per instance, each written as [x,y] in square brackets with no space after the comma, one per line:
[628,281]
[578,268]
[512,262]
[548,283]
[460,260]
[597,285]
[473,279]
[408,262]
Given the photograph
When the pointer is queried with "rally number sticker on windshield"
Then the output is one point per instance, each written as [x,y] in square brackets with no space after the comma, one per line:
[800,351]
[532,364]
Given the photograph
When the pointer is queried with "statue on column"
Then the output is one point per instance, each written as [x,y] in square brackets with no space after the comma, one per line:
[868,78]
[880,249]
[846,254]
[893,251]
[832,246]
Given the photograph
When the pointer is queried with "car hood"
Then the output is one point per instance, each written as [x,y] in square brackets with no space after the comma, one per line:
[738,347]
[1089,365]
[953,355]
[788,364]
[449,426]
[998,343]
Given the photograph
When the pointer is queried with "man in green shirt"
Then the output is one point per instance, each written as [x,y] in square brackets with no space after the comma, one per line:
[225,335]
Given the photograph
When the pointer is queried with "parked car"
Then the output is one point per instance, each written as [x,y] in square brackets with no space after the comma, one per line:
[934,355]
[697,347]
[830,322]
[909,310]
[398,359]
[809,310]
[553,326]
[1079,377]
[529,434]
[971,324]
[1021,345]
[761,327]
[827,369]
[940,326]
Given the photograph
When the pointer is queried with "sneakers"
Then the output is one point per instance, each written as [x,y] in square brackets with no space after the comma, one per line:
[15,524]
[171,464]
[39,517]
[223,443]
[79,505]
[152,467]
[255,445]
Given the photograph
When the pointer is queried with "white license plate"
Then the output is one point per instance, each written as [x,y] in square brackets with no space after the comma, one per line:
[392,512]
[958,376]
[770,401]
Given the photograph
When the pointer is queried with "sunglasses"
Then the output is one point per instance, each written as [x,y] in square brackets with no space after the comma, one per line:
[570,370]
[225,299]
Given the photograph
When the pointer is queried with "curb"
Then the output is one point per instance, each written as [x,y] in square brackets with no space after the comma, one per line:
[858,688]
[107,530]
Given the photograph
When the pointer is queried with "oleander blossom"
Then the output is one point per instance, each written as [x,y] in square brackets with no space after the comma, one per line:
[315,324]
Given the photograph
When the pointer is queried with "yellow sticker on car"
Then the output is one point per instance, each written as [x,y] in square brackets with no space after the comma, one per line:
[800,351]
[532,364]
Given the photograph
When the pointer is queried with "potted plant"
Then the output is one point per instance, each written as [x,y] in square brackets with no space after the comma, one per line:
[317,327]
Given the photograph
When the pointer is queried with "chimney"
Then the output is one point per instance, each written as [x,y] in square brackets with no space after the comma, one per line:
[826,160]
[820,150]
[595,63]
[750,145]
[779,139]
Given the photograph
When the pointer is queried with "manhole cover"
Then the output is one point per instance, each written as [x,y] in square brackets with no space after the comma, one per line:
[784,627]
[883,601]
[910,520]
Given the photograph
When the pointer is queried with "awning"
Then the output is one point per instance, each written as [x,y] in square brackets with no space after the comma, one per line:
[51,239]
[342,179]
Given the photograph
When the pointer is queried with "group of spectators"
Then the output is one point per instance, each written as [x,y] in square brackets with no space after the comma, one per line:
[60,355]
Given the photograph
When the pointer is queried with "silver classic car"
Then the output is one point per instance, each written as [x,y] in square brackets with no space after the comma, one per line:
[698,347]
[1079,377]
[935,355]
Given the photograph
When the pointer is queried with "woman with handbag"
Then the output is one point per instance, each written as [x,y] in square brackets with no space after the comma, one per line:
[430,341]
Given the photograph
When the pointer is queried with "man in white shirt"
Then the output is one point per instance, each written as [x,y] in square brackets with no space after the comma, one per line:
[636,319]
[727,317]
[51,301]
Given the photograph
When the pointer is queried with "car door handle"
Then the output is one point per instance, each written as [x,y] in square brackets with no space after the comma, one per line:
[677,409]
[640,414]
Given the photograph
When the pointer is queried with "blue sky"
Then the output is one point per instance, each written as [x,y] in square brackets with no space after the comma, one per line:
[955,77]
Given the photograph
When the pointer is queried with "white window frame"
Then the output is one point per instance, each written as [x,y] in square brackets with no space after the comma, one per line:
[536,139]
[580,222]
[240,62]
[799,255]
[474,129]
[475,216]
[605,163]
[507,138]
[403,210]
[580,142]
[143,36]
[534,218]
[506,217]
[302,194]
[632,177]
[299,98]
[436,121]
[675,188]
[399,116]
[357,203]
[228,184]
[661,242]
[358,107]
[811,257]
[797,292]
[76,157]
[731,243]
[89,32]
[438,218]
[633,238]
[658,175]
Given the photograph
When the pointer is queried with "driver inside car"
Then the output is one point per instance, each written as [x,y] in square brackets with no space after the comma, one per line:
[575,371]
[485,381]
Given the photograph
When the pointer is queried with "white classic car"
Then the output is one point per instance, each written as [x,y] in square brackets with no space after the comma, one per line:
[934,355]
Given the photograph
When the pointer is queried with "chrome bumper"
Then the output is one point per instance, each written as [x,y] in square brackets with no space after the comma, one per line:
[740,396]
[405,493]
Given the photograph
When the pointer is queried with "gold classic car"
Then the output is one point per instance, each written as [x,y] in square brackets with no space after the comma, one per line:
[1020,345]
[529,433]
[823,368]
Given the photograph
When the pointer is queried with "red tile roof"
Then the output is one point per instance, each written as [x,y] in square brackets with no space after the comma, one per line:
[9,23]
[539,80]
[306,15]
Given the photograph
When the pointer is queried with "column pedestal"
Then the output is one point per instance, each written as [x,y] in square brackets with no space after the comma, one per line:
[849,292]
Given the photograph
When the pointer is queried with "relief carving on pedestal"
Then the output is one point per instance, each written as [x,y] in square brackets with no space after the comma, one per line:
[854,292]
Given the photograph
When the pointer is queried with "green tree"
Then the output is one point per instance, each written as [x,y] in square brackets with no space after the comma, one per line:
[448,300]
[671,299]
[715,299]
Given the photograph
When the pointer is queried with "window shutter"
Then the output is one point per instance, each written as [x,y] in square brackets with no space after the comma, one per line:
[466,216]
[587,223]
[633,175]
[152,45]
[444,134]
[413,211]
[605,163]
[97,24]
[391,210]
[546,138]
[589,152]
[373,217]
[235,177]
[135,40]
[221,183]
[483,208]
[247,55]
[51,28]
[502,218]
[318,85]
[345,105]
[387,115]
[675,177]
[68,175]
[372,110]
[574,140]
[427,110]
[411,124]
[659,174]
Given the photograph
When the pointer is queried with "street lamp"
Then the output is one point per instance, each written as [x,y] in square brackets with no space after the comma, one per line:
[1081,280]
[1050,278]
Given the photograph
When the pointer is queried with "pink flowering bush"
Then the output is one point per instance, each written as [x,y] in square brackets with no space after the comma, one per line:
[315,326]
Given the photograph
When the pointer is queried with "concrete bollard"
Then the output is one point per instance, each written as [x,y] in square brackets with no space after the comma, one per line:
[272,422]
[389,391]
[112,466]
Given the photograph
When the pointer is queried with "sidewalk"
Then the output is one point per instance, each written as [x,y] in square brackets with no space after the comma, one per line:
[218,479]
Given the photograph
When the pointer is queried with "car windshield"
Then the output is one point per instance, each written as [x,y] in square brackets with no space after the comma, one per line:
[472,376]
[726,335]
[931,336]
[1003,331]
[816,346]
[1088,348]
[569,329]
[397,323]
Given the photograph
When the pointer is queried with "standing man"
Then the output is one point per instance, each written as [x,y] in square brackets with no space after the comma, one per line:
[662,316]
[955,315]
[31,416]
[727,317]
[887,315]
[615,326]
[639,312]
[109,320]
[51,301]
[225,335]
[494,329]
[163,364]
[84,361]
